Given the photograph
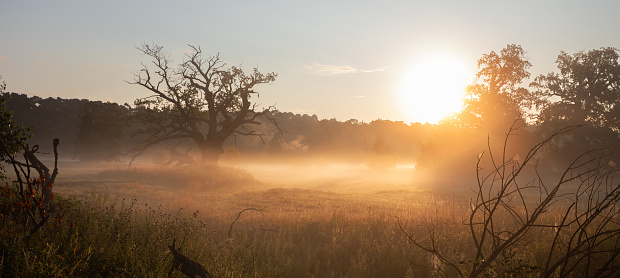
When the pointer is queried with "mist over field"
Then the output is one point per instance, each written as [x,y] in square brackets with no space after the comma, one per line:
[195,180]
[311,139]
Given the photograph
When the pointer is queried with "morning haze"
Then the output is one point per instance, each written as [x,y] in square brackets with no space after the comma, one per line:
[349,139]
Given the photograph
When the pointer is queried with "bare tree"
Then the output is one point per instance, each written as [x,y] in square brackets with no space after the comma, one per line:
[577,213]
[199,100]
[33,205]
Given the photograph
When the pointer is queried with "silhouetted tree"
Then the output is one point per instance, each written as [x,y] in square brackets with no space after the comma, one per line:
[586,90]
[101,130]
[494,100]
[50,117]
[200,100]
[13,136]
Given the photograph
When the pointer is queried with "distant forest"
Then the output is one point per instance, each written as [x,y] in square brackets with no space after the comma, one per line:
[583,93]
[95,131]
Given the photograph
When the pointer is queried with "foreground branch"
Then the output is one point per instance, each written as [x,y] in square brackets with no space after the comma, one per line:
[584,239]
[239,215]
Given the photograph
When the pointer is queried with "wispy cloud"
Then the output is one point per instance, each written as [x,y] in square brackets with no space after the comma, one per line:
[1,58]
[374,70]
[322,69]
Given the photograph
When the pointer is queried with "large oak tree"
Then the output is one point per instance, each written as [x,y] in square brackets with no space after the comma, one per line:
[200,99]
[585,90]
[494,99]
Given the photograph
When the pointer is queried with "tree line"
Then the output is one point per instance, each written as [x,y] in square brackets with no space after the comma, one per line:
[99,129]
[201,104]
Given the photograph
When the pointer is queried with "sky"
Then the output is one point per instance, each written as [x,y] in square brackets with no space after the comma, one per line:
[336,59]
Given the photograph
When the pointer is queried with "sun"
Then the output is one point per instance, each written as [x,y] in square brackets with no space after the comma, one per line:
[433,88]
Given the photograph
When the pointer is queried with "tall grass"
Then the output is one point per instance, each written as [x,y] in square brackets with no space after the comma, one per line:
[298,233]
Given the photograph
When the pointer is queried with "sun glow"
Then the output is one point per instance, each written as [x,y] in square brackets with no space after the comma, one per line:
[433,89]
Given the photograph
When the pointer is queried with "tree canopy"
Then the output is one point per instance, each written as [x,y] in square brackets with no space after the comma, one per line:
[200,99]
[495,97]
[586,89]
[13,136]
[101,130]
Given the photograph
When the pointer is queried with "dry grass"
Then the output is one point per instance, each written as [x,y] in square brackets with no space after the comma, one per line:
[126,218]
[329,230]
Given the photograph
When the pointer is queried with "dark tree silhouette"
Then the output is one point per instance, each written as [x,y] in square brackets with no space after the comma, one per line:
[495,99]
[13,136]
[199,100]
[101,130]
[586,90]
[50,117]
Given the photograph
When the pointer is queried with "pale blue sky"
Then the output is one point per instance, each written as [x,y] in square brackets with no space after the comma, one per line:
[342,59]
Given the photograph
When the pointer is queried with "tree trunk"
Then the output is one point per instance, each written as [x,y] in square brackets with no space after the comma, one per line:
[211,152]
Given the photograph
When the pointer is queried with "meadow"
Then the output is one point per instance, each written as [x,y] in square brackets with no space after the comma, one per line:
[302,221]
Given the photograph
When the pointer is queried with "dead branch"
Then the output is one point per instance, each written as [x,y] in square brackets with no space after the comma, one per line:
[239,215]
[585,242]
[29,187]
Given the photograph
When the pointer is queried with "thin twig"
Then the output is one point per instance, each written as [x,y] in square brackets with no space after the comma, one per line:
[239,215]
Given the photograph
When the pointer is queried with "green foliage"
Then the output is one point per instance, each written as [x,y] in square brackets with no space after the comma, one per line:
[13,136]
[50,117]
[586,89]
[77,245]
[25,254]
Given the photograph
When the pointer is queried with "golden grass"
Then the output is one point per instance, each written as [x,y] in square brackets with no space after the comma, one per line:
[128,217]
[318,232]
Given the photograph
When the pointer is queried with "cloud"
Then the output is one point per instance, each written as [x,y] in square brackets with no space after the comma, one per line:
[1,58]
[374,70]
[322,69]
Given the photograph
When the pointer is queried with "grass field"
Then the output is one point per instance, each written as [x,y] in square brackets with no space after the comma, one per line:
[317,221]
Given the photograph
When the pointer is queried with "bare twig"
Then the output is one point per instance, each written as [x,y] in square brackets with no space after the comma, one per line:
[239,215]
[586,241]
